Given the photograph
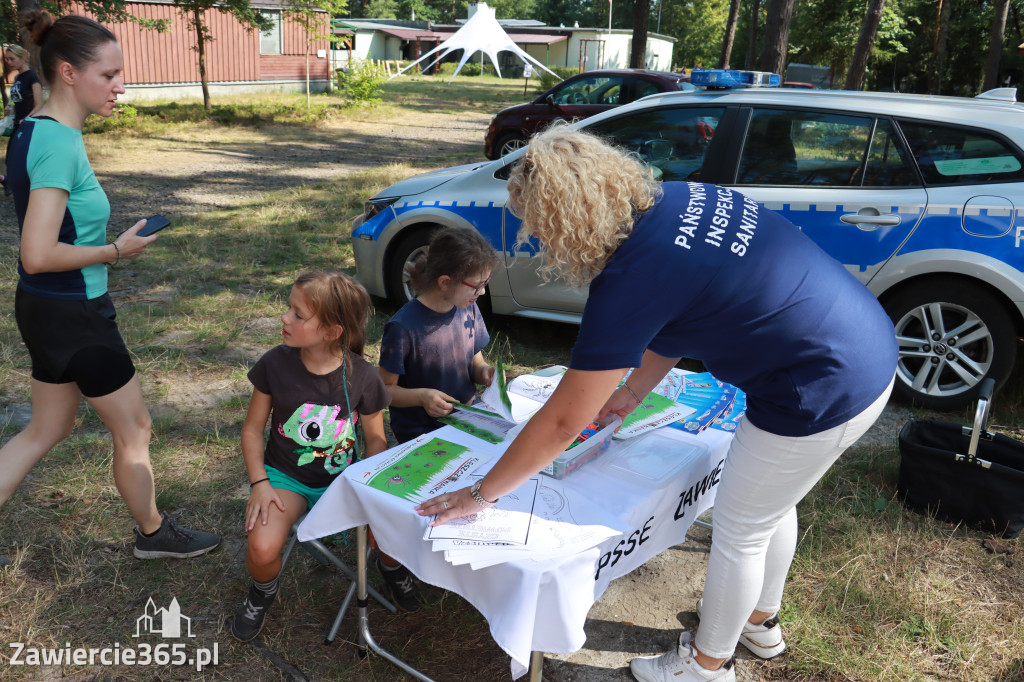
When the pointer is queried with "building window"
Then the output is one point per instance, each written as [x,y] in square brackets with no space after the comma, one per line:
[270,40]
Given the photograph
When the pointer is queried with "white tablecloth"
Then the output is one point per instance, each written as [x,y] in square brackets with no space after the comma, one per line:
[530,605]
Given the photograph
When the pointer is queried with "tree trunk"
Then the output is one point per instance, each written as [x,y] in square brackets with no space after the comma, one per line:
[941,35]
[308,105]
[868,32]
[641,15]
[995,46]
[755,18]
[197,23]
[24,6]
[776,35]
[730,33]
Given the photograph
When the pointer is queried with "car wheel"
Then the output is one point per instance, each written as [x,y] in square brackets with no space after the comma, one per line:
[510,142]
[408,250]
[951,337]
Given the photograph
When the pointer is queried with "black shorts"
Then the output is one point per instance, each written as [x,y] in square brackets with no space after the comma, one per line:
[74,341]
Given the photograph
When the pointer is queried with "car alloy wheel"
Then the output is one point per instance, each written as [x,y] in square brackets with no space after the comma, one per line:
[951,337]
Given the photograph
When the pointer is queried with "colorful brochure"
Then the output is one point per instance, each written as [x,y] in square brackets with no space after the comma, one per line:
[423,469]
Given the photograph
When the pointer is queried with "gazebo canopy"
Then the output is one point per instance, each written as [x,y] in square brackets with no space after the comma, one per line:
[481,33]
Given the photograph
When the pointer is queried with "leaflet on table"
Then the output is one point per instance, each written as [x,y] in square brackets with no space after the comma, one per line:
[554,532]
[486,426]
[507,521]
[520,398]
[670,386]
[654,412]
[729,420]
[709,397]
[423,468]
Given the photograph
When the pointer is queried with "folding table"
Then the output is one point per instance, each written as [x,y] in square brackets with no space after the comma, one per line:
[531,606]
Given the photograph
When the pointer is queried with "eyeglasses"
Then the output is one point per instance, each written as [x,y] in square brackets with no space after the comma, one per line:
[478,288]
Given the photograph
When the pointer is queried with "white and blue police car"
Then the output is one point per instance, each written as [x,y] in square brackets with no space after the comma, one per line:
[921,197]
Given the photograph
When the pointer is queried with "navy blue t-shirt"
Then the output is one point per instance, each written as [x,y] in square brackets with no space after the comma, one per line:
[22,97]
[710,275]
[428,349]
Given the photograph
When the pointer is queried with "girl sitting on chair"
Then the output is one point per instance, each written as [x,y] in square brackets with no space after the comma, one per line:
[313,388]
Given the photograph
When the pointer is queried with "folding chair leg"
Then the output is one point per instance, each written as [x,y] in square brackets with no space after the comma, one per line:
[325,556]
[351,574]
[341,613]
[365,638]
[292,539]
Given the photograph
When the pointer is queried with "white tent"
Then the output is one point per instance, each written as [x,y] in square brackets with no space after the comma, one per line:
[481,33]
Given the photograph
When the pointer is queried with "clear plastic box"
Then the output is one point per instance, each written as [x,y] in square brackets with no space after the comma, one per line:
[654,459]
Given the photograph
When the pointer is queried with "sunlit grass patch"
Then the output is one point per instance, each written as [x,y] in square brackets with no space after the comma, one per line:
[879,593]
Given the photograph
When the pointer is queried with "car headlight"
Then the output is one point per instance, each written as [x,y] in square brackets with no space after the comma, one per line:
[375,206]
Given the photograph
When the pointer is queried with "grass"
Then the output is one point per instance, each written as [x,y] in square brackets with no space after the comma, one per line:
[875,593]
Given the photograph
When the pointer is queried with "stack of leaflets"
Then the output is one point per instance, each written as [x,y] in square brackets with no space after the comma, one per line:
[715,403]
[504,409]
[658,409]
[706,401]
[533,522]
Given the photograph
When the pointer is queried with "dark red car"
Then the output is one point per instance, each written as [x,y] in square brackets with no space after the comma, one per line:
[574,98]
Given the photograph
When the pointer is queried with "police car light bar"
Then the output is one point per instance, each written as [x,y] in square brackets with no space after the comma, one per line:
[732,78]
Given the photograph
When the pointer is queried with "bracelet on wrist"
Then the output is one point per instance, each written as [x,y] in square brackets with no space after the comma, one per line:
[116,251]
[259,481]
[630,391]
[478,498]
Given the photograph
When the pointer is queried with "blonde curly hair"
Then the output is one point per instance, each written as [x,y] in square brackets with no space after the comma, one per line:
[580,196]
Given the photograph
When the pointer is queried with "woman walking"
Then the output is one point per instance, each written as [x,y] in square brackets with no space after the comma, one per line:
[64,313]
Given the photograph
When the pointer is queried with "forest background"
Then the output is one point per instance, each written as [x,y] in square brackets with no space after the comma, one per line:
[949,47]
[936,46]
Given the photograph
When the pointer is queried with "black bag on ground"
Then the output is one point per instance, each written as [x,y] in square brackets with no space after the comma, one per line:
[963,474]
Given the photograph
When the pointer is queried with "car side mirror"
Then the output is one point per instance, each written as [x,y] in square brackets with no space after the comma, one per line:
[550,99]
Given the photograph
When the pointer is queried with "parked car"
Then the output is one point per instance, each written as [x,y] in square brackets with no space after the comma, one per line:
[578,97]
[921,197]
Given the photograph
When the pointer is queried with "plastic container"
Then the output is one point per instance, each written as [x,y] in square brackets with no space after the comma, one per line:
[654,459]
[587,451]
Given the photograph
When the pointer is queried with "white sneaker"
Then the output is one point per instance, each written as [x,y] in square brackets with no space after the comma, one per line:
[679,665]
[764,640]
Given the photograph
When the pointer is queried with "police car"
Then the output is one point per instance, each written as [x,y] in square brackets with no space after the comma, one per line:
[921,197]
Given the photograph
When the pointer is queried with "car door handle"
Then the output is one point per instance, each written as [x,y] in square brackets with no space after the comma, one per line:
[870,222]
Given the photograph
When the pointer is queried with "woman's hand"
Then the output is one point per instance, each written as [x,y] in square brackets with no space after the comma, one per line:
[258,507]
[449,506]
[620,403]
[436,403]
[130,245]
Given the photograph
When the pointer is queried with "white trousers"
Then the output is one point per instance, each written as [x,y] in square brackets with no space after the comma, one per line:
[755,531]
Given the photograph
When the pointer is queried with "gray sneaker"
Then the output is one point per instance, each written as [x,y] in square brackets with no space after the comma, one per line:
[173,541]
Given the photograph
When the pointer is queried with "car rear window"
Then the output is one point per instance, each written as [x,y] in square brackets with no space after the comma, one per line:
[797,147]
[949,155]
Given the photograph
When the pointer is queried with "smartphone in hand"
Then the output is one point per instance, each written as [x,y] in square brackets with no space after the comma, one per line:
[153,225]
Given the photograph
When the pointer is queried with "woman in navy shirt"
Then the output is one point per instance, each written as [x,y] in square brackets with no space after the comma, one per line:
[699,271]
[26,91]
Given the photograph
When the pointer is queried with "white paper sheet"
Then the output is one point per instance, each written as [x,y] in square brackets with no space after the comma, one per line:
[507,521]
[554,532]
